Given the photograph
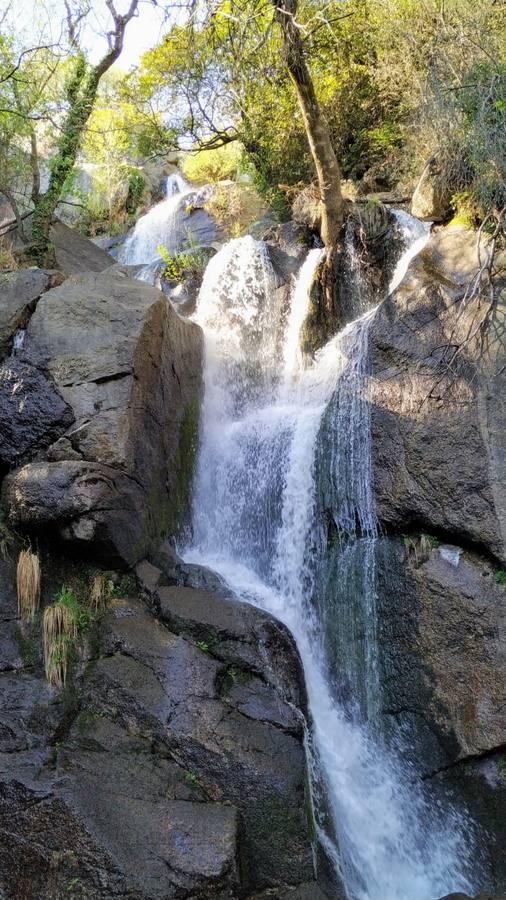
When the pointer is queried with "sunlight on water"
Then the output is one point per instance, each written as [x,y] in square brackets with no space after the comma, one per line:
[273,426]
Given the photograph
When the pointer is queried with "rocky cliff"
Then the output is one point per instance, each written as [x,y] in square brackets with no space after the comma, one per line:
[102,409]
[438,355]
[172,764]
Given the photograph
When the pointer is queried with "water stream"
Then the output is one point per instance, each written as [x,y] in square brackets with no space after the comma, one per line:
[161,225]
[284,511]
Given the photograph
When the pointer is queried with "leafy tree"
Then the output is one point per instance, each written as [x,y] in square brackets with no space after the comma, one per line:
[81,92]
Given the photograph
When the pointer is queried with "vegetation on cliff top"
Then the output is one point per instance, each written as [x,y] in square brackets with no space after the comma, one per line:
[280,90]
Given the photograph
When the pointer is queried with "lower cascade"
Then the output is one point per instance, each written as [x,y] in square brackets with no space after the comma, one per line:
[283,510]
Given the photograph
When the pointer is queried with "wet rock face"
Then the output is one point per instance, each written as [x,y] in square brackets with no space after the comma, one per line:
[443,659]
[176,767]
[438,436]
[126,370]
[32,412]
[439,416]
[19,292]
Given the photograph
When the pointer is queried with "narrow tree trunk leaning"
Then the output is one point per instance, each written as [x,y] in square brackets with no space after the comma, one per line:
[81,95]
[327,168]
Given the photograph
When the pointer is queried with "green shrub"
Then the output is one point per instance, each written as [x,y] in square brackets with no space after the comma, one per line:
[182,265]
[210,166]
[136,186]
[64,622]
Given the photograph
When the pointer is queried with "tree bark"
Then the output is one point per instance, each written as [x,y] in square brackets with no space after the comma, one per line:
[327,168]
[81,93]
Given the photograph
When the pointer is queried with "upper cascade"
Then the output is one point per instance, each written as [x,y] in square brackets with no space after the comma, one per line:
[161,225]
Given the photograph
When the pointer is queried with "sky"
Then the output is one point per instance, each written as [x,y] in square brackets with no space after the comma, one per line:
[43,21]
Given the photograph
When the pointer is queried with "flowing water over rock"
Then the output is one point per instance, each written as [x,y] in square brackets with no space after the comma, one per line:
[161,225]
[283,510]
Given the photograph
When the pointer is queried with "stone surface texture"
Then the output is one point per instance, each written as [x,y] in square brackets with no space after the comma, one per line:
[173,768]
[127,369]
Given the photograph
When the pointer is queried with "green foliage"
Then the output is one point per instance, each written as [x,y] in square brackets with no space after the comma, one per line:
[203,645]
[82,617]
[500,577]
[211,166]
[397,80]
[136,187]
[182,265]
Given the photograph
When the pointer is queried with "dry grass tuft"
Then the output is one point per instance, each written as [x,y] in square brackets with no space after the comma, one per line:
[59,631]
[100,592]
[28,584]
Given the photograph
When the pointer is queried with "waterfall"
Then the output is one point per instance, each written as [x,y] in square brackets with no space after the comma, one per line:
[415,234]
[283,509]
[161,225]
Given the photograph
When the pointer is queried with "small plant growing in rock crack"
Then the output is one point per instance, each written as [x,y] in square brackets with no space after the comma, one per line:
[63,623]
[203,645]
[500,577]
[192,779]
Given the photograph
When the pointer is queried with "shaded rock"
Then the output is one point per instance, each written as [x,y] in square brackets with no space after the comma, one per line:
[32,412]
[238,704]
[181,573]
[129,368]
[167,774]
[19,292]
[308,891]
[75,253]
[444,655]
[443,662]
[431,199]
[439,418]
[288,247]
[235,632]
[484,895]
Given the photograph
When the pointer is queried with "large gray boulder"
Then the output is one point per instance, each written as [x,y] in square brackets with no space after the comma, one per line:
[75,253]
[19,293]
[438,389]
[129,369]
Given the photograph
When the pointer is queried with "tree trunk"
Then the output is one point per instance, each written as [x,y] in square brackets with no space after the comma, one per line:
[327,168]
[81,94]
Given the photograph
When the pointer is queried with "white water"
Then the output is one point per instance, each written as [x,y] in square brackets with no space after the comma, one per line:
[161,225]
[19,340]
[415,234]
[272,428]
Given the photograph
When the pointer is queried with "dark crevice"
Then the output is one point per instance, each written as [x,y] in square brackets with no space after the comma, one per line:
[467,760]
[444,536]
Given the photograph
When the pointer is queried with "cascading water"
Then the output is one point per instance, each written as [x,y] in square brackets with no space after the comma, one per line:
[415,234]
[161,225]
[283,510]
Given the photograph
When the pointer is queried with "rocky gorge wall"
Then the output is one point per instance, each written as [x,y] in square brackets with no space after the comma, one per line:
[173,766]
[439,433]
[172,763]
